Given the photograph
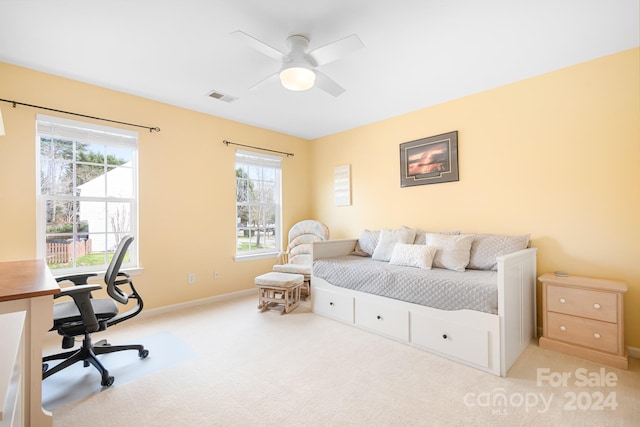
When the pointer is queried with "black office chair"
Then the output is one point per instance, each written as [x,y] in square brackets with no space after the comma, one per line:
[85,315]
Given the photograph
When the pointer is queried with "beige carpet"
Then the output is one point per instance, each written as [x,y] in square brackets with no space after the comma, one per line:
[300,369]
[77,382]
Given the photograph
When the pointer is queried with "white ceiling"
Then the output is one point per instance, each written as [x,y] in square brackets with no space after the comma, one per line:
[417,52]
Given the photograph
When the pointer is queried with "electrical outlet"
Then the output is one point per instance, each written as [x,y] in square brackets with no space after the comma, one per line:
[191,278]
[216,274]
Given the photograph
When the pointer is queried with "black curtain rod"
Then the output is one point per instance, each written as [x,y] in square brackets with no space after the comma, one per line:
[225,142]
[151,129]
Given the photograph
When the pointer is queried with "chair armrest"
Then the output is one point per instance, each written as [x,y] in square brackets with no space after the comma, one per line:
[283,258]
[81,295]
[116,292]
[127,278]
[77,290]
[77,279]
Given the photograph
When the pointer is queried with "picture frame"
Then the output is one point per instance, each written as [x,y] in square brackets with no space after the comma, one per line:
[429,160]
[342,185]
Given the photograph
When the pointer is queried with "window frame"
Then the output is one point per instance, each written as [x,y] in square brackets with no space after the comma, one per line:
[105,136]
[243,157]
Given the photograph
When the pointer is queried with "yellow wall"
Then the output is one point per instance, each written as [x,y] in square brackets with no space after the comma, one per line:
[557,156]
[186,183]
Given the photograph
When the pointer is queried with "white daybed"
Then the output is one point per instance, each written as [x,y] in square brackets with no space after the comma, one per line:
[490,342]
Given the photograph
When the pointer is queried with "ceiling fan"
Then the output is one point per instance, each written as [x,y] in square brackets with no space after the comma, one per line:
[299,68]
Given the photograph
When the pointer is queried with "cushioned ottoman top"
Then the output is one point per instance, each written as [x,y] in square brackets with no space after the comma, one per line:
[279,280]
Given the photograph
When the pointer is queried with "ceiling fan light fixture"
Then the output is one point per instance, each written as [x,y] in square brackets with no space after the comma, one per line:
[297,78]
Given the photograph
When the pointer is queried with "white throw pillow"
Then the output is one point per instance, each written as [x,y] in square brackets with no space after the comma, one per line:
[389,238]
[421,236]
[420,256]
[453,250]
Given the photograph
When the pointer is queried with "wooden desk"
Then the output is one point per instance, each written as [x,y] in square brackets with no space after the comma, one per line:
[28,286]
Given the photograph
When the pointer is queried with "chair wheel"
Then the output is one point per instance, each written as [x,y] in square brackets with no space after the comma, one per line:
[45,367]
[106,382]
[142,354]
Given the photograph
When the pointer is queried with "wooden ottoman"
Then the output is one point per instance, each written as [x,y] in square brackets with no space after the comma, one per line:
[279,288]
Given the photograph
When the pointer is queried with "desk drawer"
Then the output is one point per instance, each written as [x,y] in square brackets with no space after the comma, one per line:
[594,334]
[583,303]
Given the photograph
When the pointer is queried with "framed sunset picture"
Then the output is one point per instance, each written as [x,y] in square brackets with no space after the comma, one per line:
[429,160]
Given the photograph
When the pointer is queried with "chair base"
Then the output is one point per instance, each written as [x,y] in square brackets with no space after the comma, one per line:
[305,291]
[271,296]
[88,355]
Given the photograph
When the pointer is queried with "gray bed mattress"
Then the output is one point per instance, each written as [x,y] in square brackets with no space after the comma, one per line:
[438,288]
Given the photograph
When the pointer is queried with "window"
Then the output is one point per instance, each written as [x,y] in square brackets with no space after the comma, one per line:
[87,194]
[258,206]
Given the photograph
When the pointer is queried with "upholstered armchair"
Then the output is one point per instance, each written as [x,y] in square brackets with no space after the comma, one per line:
[297,259]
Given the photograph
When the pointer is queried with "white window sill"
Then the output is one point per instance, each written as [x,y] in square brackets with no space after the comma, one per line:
[252,257]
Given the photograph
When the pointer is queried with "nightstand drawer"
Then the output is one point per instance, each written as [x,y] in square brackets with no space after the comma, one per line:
[594,334]
[583,303]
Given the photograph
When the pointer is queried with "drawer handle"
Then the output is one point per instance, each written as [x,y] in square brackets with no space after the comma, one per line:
[596,336]
[563,328]
[596,305]
[379,317]
[444,336]
[562,300]
[331,303]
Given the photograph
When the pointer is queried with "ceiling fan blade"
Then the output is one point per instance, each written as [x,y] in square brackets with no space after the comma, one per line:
[265,81]
[256,44]
[325,83]
[336,50]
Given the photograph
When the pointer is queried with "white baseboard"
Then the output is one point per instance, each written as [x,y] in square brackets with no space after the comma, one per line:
[195,303]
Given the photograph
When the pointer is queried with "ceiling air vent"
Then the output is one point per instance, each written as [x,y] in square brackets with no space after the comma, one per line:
[221,96]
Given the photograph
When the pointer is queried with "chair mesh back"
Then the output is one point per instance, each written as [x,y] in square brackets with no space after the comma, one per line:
[113,269]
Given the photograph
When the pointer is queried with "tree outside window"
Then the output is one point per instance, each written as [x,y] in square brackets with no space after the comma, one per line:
[257,203]
[87,193]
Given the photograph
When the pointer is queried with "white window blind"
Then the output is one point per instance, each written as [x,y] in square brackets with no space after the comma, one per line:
[85,132]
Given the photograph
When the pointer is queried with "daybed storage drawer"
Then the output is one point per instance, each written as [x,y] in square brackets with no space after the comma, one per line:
[333,304]
[460,341]
[382,318]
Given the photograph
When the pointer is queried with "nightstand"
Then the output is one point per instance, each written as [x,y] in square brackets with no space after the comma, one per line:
[584,317]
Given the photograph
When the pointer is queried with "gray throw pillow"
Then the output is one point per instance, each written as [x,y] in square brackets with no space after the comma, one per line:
[486,247]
